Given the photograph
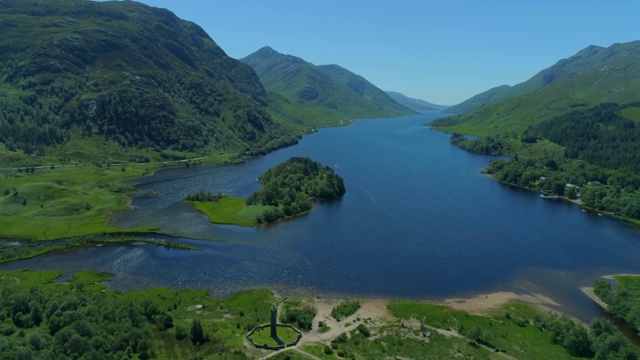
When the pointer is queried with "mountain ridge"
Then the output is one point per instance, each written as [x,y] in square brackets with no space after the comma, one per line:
[418,105]
[328,91]
[592,76]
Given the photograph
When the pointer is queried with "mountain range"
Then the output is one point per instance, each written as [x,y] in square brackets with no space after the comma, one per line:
[329,92]
[592,76]
[77,74]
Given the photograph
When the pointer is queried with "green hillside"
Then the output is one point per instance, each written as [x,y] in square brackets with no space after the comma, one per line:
[593,76]
[330,93]
[77,73]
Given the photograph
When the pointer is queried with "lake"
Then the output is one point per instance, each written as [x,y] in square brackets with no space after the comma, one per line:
[418,221]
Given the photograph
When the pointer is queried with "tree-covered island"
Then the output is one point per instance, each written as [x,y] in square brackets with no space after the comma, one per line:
[288,190]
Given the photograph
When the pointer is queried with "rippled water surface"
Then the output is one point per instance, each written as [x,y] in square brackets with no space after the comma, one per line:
[418,220]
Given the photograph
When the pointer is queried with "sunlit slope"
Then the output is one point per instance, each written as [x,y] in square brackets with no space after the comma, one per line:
[125,73]
[593,76]
[329,92]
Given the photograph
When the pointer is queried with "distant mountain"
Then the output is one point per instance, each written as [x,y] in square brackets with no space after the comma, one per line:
[418,105]
[125,73]
[330,91]
[592,76]
[477,101]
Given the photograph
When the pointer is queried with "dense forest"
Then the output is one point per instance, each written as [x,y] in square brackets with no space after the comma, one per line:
[600,135]
[44,319]
[599,167]
[291,187]
[489,145]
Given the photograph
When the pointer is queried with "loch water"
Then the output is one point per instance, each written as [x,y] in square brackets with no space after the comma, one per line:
[418,221]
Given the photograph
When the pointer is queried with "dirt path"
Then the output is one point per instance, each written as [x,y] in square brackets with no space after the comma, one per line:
[375,310]
[124,164]
[296,349]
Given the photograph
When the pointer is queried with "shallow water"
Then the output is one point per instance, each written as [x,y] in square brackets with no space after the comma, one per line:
[418,221]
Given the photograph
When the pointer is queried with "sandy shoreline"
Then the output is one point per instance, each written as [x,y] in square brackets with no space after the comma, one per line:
[589,291]
[484,302]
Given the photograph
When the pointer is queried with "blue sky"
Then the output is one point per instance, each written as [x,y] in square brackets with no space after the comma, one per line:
[443,52]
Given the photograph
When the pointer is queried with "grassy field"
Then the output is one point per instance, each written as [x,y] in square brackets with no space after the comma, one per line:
[52,203]
[632,113]
[263,336]
[511,328]
[56,201]
[230,210]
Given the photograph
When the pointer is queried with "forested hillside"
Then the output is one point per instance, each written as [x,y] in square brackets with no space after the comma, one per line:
[601,136]
[128,73]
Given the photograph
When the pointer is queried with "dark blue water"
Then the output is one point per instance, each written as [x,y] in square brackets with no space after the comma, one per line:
[418,220]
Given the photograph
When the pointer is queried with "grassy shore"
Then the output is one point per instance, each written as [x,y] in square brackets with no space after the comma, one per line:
[231,211]
[30,248]
[235,211]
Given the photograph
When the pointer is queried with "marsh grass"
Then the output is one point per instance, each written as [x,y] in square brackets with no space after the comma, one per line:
[64,201]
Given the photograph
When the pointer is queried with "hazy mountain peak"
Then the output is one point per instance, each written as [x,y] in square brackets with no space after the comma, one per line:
[418,105]
[267,51]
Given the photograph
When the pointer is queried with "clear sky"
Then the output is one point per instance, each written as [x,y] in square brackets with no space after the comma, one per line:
[440,51]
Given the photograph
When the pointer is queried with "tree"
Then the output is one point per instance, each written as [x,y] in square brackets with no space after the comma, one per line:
[558,188]
[181,333]
[197,333]
[165,321]
[577,342]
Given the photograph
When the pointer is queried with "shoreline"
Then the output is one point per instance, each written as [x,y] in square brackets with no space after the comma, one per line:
[627,221]
[589,290]
[480,304]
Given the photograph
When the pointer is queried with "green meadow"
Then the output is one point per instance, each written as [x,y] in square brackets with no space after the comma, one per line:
[55,202]
[231,211]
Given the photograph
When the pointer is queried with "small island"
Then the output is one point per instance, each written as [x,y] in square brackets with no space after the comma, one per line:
[288,190]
